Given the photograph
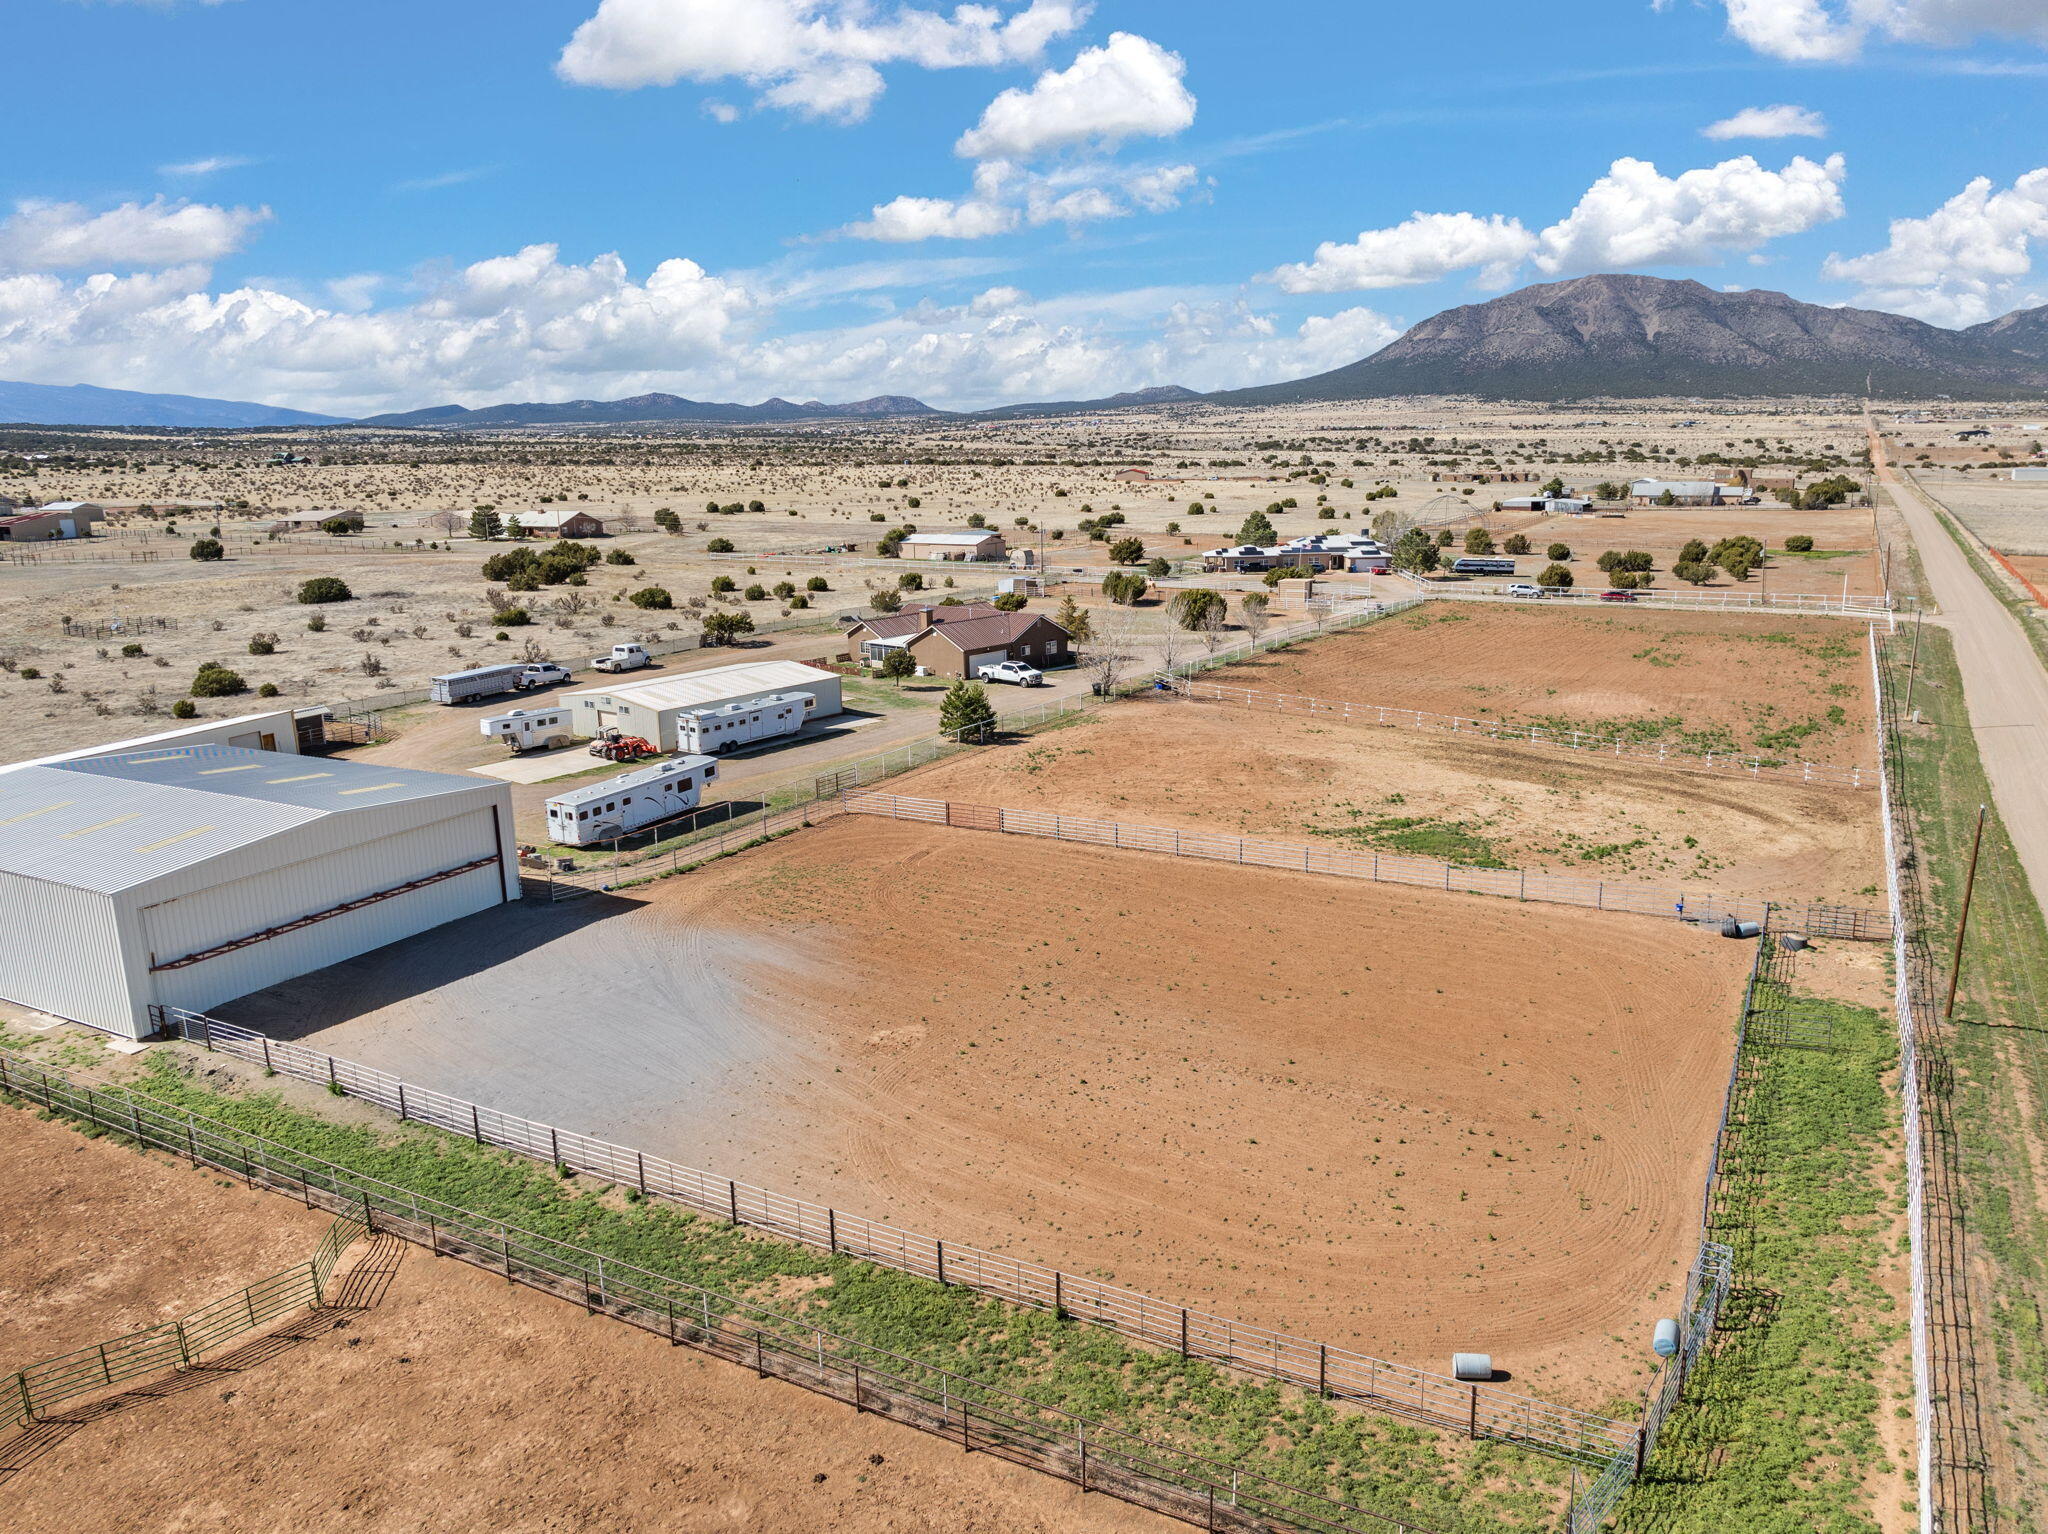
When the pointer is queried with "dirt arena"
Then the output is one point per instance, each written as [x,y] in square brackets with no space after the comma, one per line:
[1788,687]
[519,1412]
[1215,767]
[1246,1089]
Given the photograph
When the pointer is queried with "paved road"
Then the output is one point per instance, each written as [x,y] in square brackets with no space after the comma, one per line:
[2004,683]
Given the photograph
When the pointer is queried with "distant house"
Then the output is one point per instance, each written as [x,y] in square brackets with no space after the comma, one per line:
[871,639]
[58,519]
[2034,474]
[1131,476]
[1683,492]
[1556,505]
[970,544]
[961,649]
[560,522]
[313,521]
[1354,553]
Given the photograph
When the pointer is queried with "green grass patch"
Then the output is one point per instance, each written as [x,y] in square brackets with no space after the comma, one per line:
[1777,1430]
[1999,1053]
[1375,1462]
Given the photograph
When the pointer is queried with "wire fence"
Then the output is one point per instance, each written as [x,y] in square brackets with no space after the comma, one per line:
[1474,1410]
[1581,741]
[979,1416]
[1693,905]
[1882,607]
[30,1392]
[1949,1447]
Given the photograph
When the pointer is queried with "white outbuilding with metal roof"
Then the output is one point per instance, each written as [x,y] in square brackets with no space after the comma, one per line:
[651,709]
[187,876]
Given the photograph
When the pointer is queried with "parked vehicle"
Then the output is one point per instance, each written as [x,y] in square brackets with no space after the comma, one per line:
[490,681]
[1012,671]
[1476,566]
[618,806]
[732,725]
[1617,596]
[1522,589]
[529,729]
[614,745]
[624,657]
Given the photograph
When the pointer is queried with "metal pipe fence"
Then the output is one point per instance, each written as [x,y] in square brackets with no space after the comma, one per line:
[1471,1410]
[980,1416]
[1695,905]
[1882,608]
[1581,741]
[30,1392]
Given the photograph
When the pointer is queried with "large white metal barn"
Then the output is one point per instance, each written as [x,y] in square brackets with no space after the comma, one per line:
[190,875]
[651,709]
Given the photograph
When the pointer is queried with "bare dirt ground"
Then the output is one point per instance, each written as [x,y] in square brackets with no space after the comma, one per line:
[518,1412]
[1786,687]
[1134,1068]
[1843,543]
[1213,767]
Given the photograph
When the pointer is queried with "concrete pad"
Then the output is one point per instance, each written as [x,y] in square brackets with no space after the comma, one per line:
[541,766]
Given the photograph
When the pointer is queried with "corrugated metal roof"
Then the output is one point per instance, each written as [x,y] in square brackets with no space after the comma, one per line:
[109,823]
[695,688]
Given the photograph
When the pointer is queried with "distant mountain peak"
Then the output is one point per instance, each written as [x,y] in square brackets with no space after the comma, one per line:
[32,404]
[1630,335]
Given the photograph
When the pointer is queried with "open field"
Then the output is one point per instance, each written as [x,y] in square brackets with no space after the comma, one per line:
[1782,687]
[2010,515]
[826,494]
[1212,767]
[518,1411]
[1298,1127]
[1843,544]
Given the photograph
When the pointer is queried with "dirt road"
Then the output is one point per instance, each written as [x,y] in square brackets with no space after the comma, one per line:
[2004,683]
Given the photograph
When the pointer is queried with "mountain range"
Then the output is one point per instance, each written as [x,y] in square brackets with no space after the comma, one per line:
[1624,336]
[1638,337]
[83,405]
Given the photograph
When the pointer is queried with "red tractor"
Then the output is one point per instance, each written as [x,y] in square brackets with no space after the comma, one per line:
[616,747]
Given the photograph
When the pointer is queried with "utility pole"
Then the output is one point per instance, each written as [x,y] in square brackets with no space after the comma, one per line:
[1913,670]
[1955,964]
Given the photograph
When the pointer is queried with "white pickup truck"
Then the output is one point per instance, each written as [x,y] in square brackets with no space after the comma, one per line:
[624,657]
[1014,671]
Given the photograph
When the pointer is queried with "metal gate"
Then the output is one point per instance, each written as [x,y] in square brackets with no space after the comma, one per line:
[974,817]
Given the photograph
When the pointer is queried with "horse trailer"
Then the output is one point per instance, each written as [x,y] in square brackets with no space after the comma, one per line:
[732,725]
[618,806]
[529,729]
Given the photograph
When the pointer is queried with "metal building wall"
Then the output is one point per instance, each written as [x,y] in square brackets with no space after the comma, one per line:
[62,953]
[257,900]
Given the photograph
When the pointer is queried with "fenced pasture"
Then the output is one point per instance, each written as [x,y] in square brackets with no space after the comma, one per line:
[38,1388]
[1583,742]
[978,1416]
[1476,1411]
[1680,903]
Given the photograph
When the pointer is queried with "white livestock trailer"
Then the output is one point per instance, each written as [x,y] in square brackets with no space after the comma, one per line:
[529,729]
[617,806]
[732,725]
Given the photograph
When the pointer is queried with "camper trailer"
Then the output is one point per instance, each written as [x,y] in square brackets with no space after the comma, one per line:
[618,806]
[529,729]
[732,725]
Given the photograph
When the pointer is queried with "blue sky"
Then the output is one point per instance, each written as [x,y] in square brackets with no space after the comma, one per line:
[366,205]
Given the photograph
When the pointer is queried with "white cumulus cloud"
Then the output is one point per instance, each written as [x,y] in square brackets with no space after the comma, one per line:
[1969,260]
[1128,88]
[1422,248]
[1828,31]
[1769,122]
[1637,216]
[819,58]
[1007,196]
[68,236]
